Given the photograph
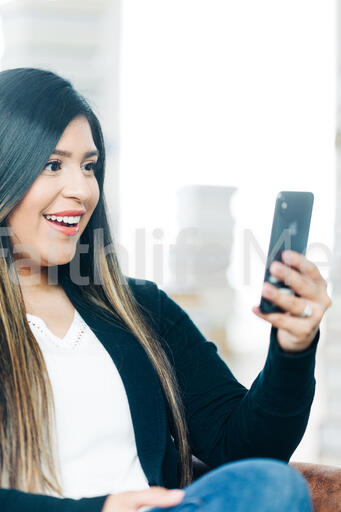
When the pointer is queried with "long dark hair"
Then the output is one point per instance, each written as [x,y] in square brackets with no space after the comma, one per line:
[36,106]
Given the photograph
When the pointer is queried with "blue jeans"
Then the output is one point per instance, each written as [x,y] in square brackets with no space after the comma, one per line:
[248,485]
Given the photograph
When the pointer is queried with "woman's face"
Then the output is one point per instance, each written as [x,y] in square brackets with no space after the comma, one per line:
[68,182]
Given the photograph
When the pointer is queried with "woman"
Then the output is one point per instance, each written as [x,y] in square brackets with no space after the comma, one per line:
[107,386]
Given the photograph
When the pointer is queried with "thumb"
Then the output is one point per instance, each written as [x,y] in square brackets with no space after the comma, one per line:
[158,497]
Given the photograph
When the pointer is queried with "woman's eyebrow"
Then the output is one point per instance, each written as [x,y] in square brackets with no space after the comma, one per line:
[68,154]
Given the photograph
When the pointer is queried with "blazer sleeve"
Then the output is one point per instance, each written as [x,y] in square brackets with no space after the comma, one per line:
[226,420]
[12,500]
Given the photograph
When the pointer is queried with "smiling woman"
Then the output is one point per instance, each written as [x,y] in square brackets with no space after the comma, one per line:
[52,206]
[71,185]
[107,387]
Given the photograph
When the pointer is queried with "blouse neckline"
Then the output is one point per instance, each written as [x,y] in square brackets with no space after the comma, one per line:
[41,322]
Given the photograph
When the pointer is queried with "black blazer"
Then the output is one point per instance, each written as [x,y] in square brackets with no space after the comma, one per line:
[226,420]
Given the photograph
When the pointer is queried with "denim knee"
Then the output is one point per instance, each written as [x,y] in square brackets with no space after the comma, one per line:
[271,484]
[291,486]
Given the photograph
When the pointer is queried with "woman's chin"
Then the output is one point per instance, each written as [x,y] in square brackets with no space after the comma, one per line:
[58,258]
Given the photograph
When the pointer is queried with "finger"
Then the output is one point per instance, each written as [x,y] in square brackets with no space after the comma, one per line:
[156,496]
[301,284]
[293,305]
[301,263]
[298,327]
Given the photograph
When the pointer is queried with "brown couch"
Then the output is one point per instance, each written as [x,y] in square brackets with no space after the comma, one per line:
[324,482]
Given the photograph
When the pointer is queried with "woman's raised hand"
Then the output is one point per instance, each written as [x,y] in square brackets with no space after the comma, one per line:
[131,501]
[296,333]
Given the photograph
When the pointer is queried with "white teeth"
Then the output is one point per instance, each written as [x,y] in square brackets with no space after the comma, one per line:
[68,220]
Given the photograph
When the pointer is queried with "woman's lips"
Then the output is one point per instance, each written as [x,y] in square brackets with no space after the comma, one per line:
[66,230]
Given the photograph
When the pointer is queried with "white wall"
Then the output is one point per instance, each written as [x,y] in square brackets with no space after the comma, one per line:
[226,92]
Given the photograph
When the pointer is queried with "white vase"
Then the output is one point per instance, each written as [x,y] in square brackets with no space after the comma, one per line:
[201,254]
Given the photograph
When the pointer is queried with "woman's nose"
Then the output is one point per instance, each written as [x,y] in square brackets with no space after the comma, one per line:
[77,184]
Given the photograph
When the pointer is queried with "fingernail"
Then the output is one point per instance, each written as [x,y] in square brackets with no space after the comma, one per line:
[288,257]
[276,266]
[267,290]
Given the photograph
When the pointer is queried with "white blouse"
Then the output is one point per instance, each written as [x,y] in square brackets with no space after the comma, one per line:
[94,436]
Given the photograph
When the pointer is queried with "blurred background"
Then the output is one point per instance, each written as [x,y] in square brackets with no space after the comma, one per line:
[209,108]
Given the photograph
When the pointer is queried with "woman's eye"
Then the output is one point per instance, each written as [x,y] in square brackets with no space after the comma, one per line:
[92,166]
[53,163]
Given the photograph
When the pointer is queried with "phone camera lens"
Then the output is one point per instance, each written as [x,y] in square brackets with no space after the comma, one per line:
[284,205]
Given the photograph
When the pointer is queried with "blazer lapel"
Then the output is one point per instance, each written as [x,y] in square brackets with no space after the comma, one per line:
[145,397]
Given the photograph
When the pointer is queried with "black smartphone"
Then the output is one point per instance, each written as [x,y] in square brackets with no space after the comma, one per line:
[290,231]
